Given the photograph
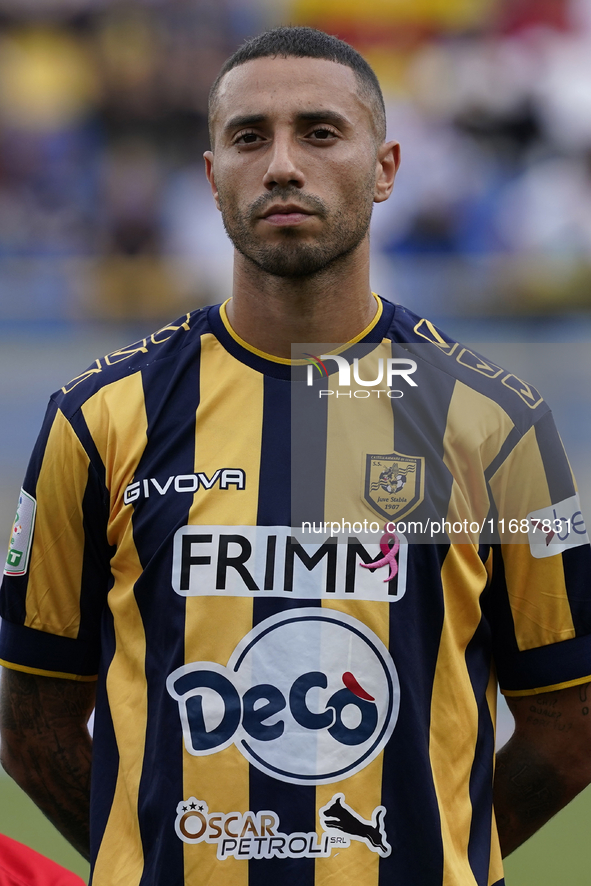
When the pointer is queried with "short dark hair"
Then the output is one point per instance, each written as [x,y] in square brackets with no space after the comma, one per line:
[300,42]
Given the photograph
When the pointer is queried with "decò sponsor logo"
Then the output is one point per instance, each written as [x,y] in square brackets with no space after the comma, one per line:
[309,696]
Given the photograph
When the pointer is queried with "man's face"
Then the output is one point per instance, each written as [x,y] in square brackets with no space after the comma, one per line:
[295,164]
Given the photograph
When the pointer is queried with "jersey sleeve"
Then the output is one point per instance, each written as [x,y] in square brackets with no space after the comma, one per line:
[540,592]
[57,570]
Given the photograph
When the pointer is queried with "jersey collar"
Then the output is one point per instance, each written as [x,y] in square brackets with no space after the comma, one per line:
[280,367]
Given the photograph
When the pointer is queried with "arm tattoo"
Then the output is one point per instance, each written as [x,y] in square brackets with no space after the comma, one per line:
[528,791]
[46,747]
[584,700]
[544,765]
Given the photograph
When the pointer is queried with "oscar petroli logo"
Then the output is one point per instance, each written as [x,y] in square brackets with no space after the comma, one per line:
[394,483]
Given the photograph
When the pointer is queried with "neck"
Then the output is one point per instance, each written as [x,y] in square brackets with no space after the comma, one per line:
[332,306]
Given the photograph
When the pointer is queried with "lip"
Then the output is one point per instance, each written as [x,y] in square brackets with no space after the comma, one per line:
[283,214]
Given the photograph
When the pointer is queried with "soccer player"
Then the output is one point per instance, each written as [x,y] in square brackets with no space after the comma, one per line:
[272,707]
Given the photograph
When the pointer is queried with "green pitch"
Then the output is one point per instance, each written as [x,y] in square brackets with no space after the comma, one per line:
[557,854]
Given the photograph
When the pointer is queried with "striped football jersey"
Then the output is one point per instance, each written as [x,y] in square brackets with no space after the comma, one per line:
[297,584]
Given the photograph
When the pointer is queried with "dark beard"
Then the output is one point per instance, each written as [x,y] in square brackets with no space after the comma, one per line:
[292,258]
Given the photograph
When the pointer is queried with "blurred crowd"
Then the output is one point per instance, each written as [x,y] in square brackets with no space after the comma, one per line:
[104,210]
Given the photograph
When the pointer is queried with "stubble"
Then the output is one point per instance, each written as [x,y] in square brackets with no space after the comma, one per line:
[343,227]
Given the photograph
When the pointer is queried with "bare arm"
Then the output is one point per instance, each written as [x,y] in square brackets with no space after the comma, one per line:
[545,764]
[47,749]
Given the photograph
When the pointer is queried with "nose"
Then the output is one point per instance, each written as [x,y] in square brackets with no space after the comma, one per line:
[283,169]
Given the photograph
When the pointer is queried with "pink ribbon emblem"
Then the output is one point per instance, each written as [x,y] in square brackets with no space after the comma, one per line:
[389,558]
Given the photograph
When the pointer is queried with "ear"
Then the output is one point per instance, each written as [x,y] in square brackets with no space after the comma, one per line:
[387,163]
[208,157]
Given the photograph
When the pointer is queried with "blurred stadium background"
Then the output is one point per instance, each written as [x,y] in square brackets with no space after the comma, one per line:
[107,229]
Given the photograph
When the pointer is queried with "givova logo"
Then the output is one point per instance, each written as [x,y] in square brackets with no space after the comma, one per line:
[309,696]
[224,478]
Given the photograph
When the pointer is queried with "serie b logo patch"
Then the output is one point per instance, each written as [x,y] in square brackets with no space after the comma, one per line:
[394,483]
[19,546]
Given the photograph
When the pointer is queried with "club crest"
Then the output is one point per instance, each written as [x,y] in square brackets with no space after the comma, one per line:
[394,483]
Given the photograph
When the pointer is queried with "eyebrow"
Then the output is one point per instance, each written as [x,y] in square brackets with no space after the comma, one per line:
[322,116]
[306,116]
[243,120]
